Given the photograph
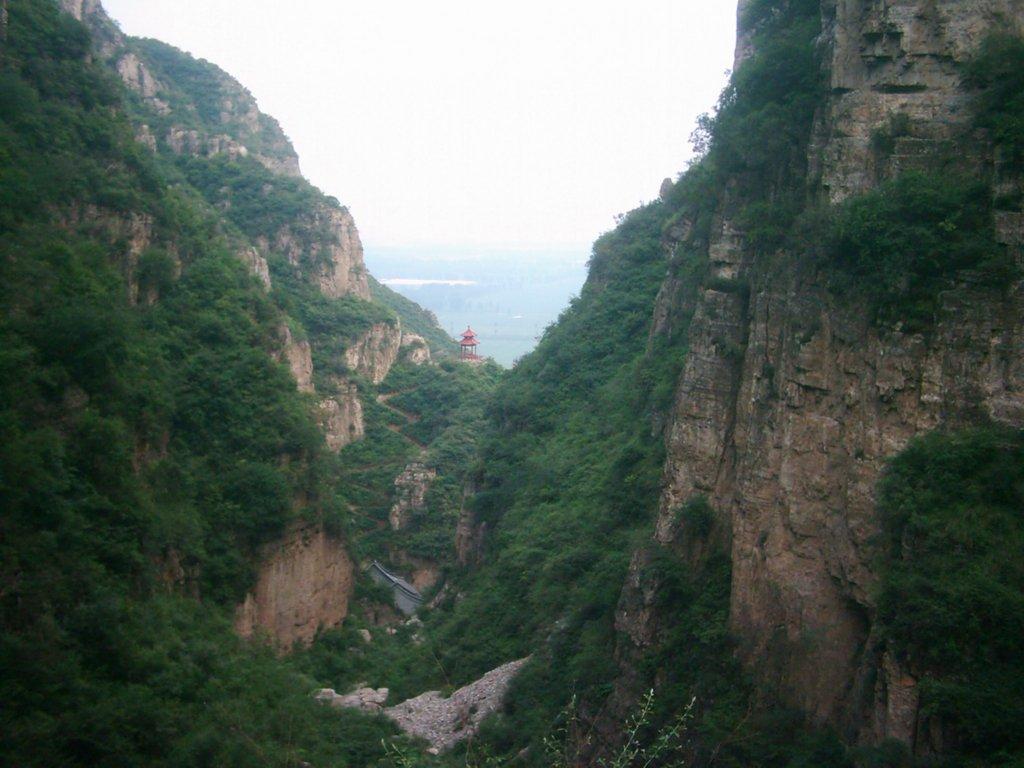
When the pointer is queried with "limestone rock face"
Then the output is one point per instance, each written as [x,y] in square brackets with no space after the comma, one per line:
[900,58]
[415,349]
[373,353]
[324,244]
[789,444]
[106,35]
[790,403]
[298,356]
[341,416]
[304,583]
[257,264]
[443,722]
[411,488]
[469,534]
[342,272]
[192,143]
[145,137]
[137,76]
[238,126]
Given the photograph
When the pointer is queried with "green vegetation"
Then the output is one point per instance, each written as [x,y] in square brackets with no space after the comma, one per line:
[998,74]
[258,201]
[146,449]
[195,91]
[761,128]
[568,481]
[428,414]
[902,244]
[149,445]
[951,598]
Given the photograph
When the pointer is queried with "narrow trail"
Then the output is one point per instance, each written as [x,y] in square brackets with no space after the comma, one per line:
[410,418]
[385,400]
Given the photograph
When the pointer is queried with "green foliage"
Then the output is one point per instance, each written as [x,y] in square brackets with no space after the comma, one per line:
[760,131]
[997,72]
[697,516]
[144,448]
[195,91]
[900,245]
[567,480]
[258,201]
[60,136]
[162,682]
[951,598]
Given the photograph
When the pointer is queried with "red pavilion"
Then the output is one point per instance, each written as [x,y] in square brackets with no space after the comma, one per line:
[468,345]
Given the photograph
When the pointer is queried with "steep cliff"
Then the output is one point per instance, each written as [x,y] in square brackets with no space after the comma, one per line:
[793,398]
[375,351]
[304,585]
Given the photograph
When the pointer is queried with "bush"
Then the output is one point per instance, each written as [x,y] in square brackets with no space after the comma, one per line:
[951,596]
[900,245]
[997,72]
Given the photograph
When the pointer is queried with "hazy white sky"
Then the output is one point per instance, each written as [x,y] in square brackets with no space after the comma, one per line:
[469,122]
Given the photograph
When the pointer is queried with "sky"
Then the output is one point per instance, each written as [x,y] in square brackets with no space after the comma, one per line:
[469,122]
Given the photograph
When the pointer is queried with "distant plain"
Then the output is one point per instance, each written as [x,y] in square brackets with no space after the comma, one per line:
[508,296]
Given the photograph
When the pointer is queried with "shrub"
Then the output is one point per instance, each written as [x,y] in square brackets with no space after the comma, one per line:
[900,245]
[997,72]
[951,596]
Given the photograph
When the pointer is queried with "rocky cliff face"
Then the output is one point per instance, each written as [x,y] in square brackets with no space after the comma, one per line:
[324,243]
[304,583]
[237,128]
[789,403]
[900,58]
[373,353]
[411,488]
[298,356]
[415,349]
[341,416]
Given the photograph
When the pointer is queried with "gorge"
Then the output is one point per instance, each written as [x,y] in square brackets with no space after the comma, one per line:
[755,499]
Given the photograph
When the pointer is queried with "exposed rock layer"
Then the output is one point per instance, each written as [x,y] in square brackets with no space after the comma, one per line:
[411,488]
[298,356]
[373,353]
[341,416]
[304,583]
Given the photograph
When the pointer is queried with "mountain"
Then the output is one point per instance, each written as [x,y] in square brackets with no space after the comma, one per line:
[205,411]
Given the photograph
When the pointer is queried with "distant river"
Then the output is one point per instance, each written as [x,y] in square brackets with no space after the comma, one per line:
[508,296]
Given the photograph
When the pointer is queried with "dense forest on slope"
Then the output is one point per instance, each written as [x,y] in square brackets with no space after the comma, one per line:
[131,433]
[150,442]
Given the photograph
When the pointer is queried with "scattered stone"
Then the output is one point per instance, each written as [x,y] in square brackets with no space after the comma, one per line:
[365,699]
[365,634]
[444,722]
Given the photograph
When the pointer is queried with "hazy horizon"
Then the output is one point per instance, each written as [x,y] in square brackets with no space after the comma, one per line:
[464,124]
